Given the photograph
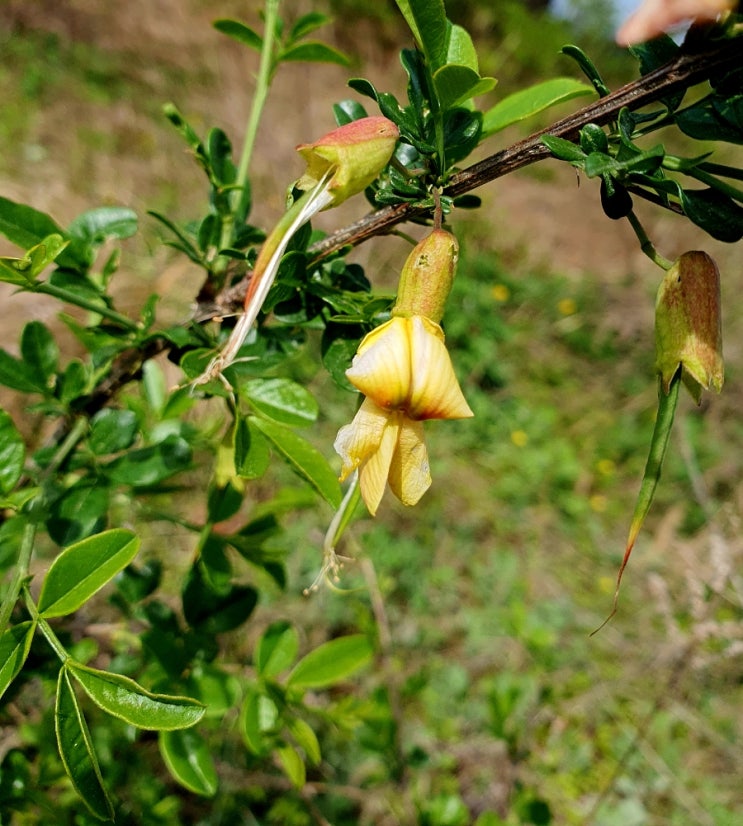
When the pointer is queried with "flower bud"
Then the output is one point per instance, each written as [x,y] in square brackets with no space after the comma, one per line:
[353,154]
[687,325]
[427,277]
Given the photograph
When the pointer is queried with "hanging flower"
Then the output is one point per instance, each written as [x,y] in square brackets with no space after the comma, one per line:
[339,165]
[405,372]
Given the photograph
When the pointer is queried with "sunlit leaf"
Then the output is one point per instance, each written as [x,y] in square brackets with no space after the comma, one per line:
[303,458]
[283,400]
[83,568]
[331,662]
[127,700]
[187,757]
[531,101]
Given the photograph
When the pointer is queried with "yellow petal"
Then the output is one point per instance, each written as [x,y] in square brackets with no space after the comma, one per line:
[409,474]
[381,367]
[375,470]
[357,441]
[435,391]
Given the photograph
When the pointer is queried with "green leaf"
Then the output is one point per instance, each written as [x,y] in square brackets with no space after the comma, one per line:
[76,750]
[240,32]
[277,649]
[529,102]
[587,67]
[252,453]
[292,764]
[307,23]
[457,84]
[83,568]
[14,647]
[150,465]
[331,662]
[187,757]
[96,226]
[27,227]
[40,352]
[314,52]
[24,271]
[128,701]
[282,400]
[714,212]
[17,375]
[304,459]
[215,612]
[12,454]
[564,150]
[81,511]
[427,20]
[305,738]
[216,689]
[259,721]
[112,430]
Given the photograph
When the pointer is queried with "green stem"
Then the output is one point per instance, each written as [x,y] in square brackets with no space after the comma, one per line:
[703,176]
[646,244]
[266,69]
[20,575]
[29,531]
[263,82]
[84,304]
[44,627]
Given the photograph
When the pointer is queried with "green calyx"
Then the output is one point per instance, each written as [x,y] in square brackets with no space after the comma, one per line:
[427,277]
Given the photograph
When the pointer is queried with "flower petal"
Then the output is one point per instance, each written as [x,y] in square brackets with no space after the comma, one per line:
[358,440]
[409,474]
[435,391]
[381,367]
[374,472]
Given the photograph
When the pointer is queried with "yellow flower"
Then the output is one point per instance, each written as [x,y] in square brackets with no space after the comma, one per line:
[404,370]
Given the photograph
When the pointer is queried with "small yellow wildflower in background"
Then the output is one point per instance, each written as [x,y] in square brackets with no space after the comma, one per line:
[519,438]
[598,502]
[500,293]
[606,467]
[567,306]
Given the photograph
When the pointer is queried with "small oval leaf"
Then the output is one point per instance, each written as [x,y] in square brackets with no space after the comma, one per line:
[127,700]
[277,649]
[303,458]
[76,750]
[83,568]
[187,757]
[282,400]
[331,662]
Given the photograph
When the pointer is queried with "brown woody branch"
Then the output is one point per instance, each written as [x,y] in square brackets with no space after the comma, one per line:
[683,72]
[686,70]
